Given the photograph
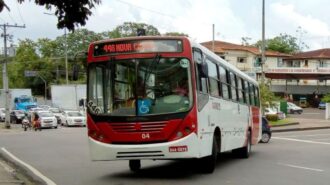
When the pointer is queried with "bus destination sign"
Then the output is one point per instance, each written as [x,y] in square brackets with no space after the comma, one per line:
[137,46]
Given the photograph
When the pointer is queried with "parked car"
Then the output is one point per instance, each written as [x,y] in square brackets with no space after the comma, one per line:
[2,114]
[57,114]
[293,108]
[73,118]
[46,119]
[44,107]
[16,116]
[322,105]
[273,111]
[266,131]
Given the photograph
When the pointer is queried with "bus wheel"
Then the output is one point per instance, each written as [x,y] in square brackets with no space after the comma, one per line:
[208,163]
[135,165]
[244,152]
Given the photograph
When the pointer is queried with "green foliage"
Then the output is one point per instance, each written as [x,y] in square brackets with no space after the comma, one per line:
[176,34]
[272,117]
[283,43]
[326,98]
[266,96]
[129,29]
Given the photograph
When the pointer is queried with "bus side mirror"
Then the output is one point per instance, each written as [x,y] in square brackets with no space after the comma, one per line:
[203,70]
[75,72]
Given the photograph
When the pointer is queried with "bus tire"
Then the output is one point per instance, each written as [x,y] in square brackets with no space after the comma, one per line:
[245,151]
[134,165]
[208,163]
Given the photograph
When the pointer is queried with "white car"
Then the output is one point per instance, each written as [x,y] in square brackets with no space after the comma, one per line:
[293,108]
[73,118]
[57,113]
[273,111]
[47,119]
[2,114]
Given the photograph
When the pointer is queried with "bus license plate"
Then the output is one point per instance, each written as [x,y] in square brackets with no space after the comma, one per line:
[178,149]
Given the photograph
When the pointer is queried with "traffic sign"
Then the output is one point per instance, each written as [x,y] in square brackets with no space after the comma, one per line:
[30,73]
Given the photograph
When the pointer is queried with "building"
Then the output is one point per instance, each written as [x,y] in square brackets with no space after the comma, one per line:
[303,75]
[245,58]
[296,77]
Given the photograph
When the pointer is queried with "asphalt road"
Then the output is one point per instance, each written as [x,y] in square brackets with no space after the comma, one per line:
[62,155]
[310,113]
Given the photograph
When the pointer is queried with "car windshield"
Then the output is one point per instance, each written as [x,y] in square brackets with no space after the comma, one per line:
[46,114]
[73,114]
[138,87]
[26,100]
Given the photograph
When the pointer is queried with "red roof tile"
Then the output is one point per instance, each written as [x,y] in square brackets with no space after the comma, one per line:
[315,54]
[221,47]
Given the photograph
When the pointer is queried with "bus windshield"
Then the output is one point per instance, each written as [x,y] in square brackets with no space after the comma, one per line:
[140,87]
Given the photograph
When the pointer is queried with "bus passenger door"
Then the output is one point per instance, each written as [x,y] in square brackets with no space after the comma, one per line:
[203,104]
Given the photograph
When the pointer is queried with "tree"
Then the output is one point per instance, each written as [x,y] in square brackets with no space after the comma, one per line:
[129,29]
[70,13]
[176,34]
[266,95]
[283,43]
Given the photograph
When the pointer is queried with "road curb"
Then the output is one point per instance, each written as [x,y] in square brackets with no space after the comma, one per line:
[301,129]
[287,124]
[22,169]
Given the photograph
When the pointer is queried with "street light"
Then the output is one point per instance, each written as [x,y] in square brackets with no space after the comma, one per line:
[66,53]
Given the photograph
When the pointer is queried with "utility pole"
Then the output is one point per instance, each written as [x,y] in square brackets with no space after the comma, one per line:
[4,71]
[66,58]
[263,59]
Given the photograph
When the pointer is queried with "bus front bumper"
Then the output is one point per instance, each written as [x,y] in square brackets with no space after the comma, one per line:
[186,147]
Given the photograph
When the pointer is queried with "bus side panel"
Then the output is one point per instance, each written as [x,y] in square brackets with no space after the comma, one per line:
[256,124]
[232,119]
[205,132]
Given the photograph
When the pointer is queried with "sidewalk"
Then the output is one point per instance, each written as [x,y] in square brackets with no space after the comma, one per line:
[299,124]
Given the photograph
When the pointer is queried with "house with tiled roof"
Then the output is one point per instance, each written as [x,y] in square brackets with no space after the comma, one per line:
[245,58]
[304,74]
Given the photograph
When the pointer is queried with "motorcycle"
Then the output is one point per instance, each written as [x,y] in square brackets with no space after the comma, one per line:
[26,124]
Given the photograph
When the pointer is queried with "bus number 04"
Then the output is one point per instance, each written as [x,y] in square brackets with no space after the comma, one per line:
[145,136]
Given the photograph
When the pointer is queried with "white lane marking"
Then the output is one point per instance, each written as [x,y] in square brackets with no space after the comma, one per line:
[35,171]
[312,113]
[301,167]
[311,135]
[300,140]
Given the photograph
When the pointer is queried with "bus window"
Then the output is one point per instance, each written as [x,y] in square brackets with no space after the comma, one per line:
[96,92]
[257,96]
[240,90]
[233,86]
[201,82]
[252,95]
[223,81]
[213,78]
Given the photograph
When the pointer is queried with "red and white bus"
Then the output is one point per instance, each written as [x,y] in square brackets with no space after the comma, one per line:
[167,98]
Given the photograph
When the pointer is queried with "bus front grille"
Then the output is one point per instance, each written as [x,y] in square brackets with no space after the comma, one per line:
[139,154]
[138,127]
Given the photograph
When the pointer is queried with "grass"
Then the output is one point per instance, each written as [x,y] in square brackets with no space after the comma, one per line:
[280,122]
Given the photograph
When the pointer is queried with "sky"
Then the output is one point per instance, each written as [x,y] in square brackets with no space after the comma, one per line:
[308,20]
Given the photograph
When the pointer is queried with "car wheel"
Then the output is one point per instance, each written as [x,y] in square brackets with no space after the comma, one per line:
[299,112]
[265,137]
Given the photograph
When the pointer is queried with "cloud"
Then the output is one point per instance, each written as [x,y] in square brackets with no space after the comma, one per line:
[307,22]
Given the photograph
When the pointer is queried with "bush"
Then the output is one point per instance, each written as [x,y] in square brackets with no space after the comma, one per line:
[272,117]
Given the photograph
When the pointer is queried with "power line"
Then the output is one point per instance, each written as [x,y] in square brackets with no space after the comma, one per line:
[19,12]
[11,17]
[146,9]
